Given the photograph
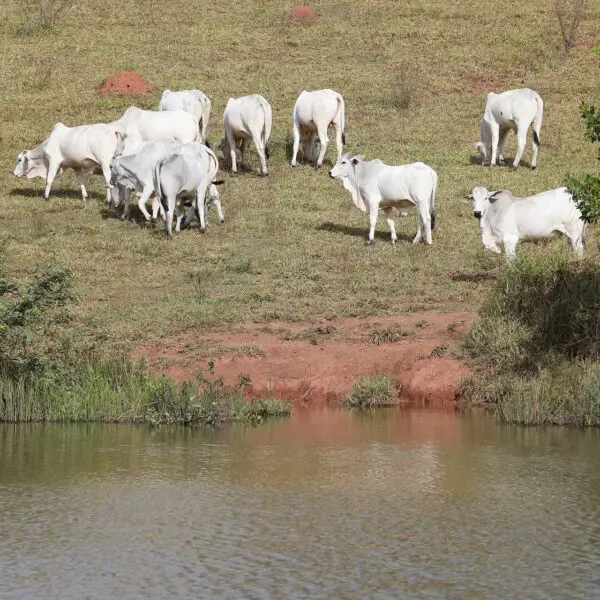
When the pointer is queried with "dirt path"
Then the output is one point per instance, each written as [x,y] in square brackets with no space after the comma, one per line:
[316,363]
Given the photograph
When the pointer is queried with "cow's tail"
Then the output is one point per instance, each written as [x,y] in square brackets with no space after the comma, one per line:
[341,112]
[537,121]
[206,106]
[267,123]
[157,188]
[432,212]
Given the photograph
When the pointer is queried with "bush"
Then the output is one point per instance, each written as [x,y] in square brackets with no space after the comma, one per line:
[569,14]
[372,391]
[537,344]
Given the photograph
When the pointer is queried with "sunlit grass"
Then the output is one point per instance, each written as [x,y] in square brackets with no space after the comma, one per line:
[292,246]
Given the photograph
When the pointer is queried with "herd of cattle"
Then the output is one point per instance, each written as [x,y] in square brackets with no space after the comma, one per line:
[164,155]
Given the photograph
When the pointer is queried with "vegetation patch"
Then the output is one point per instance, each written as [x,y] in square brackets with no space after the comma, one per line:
[537,345]
[372,391]
[391,333]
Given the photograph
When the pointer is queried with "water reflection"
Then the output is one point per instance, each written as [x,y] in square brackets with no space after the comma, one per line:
[328,504]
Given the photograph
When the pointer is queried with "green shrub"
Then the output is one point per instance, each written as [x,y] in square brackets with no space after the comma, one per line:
[372,391]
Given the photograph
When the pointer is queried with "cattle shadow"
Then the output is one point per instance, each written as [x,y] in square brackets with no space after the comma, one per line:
[301,158]
[135,216]
[474,277]
[55,193]
[361,232]
[475,159]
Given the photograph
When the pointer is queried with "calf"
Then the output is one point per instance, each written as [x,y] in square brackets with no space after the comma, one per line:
[505,220]
[192,101]
[517,110]
[374,185]
[247,118]
[314,112]
[80,148]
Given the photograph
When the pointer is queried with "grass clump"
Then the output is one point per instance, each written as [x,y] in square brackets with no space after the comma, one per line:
[389,334]
[372,391]
[537,344]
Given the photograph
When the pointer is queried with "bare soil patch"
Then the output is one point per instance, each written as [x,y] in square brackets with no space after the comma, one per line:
[125,83]
[313,364]
[301,13]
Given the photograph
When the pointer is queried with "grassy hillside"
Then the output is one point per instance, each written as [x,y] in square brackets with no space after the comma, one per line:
[292,246]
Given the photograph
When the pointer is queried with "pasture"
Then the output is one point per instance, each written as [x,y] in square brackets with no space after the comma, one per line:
[414,76]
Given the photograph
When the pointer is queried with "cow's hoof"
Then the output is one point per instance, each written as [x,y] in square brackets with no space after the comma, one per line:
[221,220]
[533,167]
[369,243]
[393,242]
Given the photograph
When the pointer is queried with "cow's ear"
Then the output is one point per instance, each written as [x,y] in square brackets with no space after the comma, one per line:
[493,197]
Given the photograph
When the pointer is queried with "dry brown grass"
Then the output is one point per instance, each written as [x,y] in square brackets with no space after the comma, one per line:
[297,230]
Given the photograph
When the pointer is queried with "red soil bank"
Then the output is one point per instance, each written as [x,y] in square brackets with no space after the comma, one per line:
[124,83]
[303,14]
[424,364]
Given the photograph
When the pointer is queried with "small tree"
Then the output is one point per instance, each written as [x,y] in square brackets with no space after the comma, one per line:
[586,190]
[569,14]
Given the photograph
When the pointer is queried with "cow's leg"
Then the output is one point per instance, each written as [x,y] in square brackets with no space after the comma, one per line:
[53,168]
[201,204]
[171,205]
[324,140]
[144,197]
[495,132]
[261,153]
[510,245]
[189,215]
[390,221]
[231,141]
[80,176]
[126,202]
[156,207]
[424,223]
[501,140]
[521,143]
[373,209]
[217,202]
[106,173]
[296,147]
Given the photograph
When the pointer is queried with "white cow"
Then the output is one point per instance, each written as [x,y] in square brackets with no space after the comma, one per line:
[158,126]
[188,170]
[192,101]
[504,219]
[517,110]
[374,185]
[247,118]
[135,173]
[314,112]
[80,148]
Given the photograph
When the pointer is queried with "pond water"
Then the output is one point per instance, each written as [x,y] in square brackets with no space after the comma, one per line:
[328,504]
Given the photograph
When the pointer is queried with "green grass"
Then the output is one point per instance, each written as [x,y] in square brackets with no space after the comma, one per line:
[391,333]
[537,344]
[116,390]
[292,246]
[372,391]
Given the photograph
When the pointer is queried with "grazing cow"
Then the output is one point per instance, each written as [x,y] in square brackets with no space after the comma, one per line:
[374,185]
[504,219]
[80,148]
[135,172]
[247,118]
[158,126]
[517,110]
[192,101]
[188,170]
[314,112]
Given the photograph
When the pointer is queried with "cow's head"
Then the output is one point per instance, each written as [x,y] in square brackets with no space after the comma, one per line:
[346,166]
[30,167]
[480,201]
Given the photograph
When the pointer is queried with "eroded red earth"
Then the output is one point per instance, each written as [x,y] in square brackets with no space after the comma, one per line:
[316,363]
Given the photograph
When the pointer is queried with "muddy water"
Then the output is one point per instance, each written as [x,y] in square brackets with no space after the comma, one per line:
[410,504]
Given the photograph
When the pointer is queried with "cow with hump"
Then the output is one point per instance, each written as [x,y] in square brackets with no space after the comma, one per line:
[158,126]
[313,114]
[505,220]
[246,119]
[516,110]
[194,102]
[189,170]
[374,185]
[80,148]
